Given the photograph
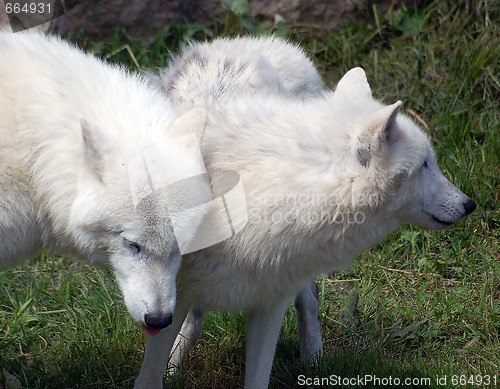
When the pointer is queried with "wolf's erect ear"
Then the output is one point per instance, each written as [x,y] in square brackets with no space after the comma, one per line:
[96,145]
[193,121]
[381,133]
[385,120]
[355,83]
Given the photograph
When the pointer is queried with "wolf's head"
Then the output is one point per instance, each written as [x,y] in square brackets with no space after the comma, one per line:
[122,215]
[394,156]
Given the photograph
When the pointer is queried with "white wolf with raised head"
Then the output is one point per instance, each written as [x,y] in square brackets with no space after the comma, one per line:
[325,178]
[211,74]
[72,129]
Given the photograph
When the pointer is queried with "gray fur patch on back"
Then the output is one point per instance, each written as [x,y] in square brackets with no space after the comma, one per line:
[192,56]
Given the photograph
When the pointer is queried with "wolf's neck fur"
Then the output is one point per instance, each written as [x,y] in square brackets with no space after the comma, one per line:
[307,196]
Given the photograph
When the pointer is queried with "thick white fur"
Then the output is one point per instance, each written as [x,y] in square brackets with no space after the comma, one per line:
[215,72]
[325,178]
[70,125]
[212,73]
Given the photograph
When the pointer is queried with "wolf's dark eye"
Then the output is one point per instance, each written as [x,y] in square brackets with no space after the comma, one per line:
[425,164]
[133,246]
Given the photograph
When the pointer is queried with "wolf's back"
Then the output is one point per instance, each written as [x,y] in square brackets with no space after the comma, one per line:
[215,72]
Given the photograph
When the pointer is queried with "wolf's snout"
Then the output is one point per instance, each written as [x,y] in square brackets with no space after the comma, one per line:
[469,206]
[158,320]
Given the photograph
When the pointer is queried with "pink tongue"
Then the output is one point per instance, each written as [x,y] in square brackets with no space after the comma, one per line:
[151,331]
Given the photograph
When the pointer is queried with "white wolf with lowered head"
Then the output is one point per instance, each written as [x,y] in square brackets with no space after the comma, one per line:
[71,128]
[308,167]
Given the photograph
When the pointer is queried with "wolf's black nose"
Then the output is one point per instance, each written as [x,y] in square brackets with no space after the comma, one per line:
[158,320]
[469,206]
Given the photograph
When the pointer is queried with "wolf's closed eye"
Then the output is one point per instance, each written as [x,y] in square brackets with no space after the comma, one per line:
[134,247]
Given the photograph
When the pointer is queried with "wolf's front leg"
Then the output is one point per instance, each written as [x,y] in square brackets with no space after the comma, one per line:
[263,328]
[186,339]
[307,305]
[158,350]
[20,233]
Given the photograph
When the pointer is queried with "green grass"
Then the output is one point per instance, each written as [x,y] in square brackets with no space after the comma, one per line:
[429,302]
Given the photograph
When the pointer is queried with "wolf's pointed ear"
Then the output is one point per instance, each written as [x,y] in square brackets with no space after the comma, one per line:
[381,132]
[96,146]
[193,121]
[355,83]
[385,121]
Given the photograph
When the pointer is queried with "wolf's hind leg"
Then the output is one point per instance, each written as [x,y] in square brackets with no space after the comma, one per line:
[308,321]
